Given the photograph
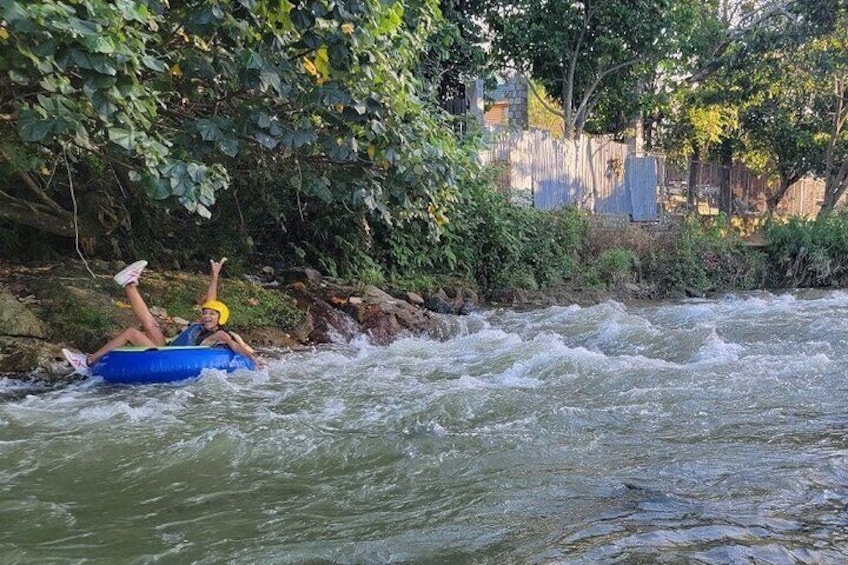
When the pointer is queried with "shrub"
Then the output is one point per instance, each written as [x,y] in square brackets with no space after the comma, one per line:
[808,253]
[615,266]
[700,255]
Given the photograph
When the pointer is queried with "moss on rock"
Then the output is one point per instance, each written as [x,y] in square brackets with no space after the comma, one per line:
[84,311]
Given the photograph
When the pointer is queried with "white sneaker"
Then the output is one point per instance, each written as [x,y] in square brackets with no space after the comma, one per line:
[79,361]
[130,275]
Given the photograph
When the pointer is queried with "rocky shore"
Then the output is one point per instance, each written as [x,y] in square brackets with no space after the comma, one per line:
[45,308]
[70,304]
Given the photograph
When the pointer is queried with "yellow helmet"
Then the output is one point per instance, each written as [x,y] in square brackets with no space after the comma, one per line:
[220,307]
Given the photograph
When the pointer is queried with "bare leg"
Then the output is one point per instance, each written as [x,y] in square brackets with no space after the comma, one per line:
[151,336]
[130,336]
[142,313]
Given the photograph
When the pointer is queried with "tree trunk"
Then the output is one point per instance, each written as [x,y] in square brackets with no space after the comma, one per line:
[694,177]
[835,183]
[834,188]
[775,198]
[725,190]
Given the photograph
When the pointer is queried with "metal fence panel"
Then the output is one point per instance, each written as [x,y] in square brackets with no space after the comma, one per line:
[641,182]
[552,172]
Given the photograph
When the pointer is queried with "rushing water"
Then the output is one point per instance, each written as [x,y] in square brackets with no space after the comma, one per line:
[704,431]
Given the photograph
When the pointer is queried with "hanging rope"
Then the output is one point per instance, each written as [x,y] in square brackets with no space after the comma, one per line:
[76,215]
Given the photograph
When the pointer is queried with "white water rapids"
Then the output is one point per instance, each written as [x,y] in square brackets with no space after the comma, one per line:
[701,431]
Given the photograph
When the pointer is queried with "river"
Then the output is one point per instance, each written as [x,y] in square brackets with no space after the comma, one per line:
[697,431]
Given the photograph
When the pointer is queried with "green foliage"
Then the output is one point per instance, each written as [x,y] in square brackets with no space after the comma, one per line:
[581,53]
[514,242]
[700,256]
[616,265]
[370,276]
[486,238]
[79,315]
[805,253]
[421,283]
[543,111]
[315,104]
[250,305]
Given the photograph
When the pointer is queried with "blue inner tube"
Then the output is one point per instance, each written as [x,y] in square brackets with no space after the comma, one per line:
[137,365]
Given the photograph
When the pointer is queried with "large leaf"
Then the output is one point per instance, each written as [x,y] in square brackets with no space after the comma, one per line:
[122,137]
[100,44]
[319,188]
[208,130]
[266,140]
[229,147]
[32,128]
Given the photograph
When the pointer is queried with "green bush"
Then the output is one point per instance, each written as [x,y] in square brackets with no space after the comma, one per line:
[615,266]
[808,253]
[702,255]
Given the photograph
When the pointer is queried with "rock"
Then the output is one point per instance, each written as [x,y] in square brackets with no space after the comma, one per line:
[384,317]
[355,300]
[327,324]
[17,320]
[374,295]
[300,274]
[468,306]
[159,312]
[380,326]
[271,337]
[36,358]
[510,295]
[414,298]
[440,304]
[631,288]
[692,292]
[452,301]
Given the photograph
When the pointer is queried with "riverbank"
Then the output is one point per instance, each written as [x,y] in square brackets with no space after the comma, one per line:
[46,307]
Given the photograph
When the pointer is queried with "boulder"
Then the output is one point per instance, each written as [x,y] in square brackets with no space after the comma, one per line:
[414,298]
[383,317]
[35,358]
[267,336]
[303,274]
[692,292]
[16,319]
[327,324]
[509,295]
[453,300]
[440,303]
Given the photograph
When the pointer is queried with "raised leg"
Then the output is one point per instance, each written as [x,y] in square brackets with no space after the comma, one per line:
[144,316]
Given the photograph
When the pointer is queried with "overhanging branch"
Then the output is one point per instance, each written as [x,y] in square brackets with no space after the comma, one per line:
[40,216]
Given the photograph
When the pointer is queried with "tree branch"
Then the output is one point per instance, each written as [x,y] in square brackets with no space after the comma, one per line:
[39,193]
[588,102]
[39,216]
[544,102]
[747,24]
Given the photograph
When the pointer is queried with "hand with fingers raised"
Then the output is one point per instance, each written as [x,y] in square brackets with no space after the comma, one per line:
[217,265]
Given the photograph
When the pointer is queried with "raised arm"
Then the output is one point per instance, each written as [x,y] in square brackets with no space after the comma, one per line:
[212,291]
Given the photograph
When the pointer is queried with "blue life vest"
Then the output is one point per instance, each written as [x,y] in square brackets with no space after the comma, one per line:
[192,335]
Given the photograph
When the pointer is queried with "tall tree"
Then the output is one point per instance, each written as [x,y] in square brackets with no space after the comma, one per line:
[749,68]
[581,52]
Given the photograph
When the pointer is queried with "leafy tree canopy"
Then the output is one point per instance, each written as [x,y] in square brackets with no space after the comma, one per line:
[582,52]
[173,97]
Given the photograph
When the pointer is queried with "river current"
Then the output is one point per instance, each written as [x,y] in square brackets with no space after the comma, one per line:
[698,431]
